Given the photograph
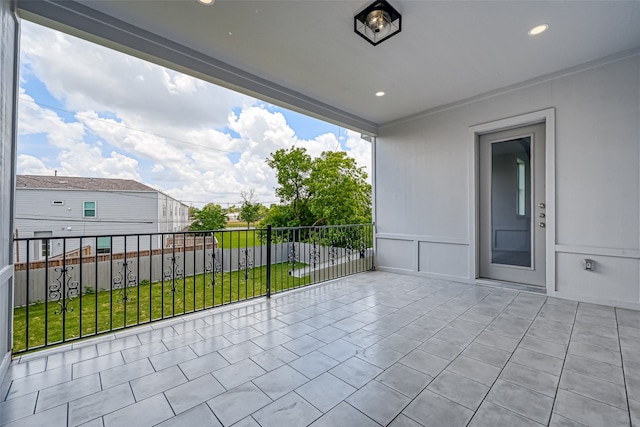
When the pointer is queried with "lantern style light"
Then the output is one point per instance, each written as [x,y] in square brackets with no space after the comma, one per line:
[377,22]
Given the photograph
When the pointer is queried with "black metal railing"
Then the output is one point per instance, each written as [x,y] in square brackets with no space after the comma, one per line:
[68,288]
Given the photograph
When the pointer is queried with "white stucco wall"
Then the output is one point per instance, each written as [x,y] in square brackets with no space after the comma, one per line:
[425,184]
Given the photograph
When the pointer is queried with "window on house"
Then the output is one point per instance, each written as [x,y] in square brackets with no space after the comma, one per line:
[521,176]
[104,245]
[89,209]
[164,210]
[46,247]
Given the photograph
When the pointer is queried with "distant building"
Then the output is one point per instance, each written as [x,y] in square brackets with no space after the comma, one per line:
[233,216]
[57,206]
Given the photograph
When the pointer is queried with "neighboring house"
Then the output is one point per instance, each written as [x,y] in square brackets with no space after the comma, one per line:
[57,206]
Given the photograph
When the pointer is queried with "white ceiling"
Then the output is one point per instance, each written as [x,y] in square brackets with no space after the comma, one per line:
[447,51]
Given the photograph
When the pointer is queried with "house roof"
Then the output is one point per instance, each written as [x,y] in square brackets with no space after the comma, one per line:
[80,183]
[305,55]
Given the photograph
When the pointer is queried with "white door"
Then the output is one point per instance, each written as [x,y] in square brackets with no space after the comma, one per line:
[512,205]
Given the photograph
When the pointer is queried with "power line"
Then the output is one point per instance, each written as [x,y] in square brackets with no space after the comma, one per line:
[127,193]
[111,123]
[97,220]
[232,203]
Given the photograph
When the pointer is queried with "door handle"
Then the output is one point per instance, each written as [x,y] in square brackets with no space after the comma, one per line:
[542,225]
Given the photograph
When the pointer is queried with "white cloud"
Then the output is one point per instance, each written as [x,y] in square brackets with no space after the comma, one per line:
[34,119]
[74,156]
[144,144]
[360,150]
[326,142]
[86,161]
[87,76]
[29,165]
[263,131]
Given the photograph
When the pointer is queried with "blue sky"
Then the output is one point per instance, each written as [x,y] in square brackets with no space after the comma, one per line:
[86,110]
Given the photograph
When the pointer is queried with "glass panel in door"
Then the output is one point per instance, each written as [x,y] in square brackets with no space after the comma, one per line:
[511,242]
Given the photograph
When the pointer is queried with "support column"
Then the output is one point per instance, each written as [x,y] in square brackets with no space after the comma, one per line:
[9,55]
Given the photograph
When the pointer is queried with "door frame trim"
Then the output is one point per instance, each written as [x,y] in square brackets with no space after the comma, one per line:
[547,117]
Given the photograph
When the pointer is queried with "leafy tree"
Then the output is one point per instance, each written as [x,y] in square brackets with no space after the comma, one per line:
[192,211]
[263,211]
[293,168]
[279,216]
[339,188]
[210,217]
[330,189]
[249,211]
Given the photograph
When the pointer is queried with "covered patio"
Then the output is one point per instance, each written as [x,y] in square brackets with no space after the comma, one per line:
[430,338]
[373,349]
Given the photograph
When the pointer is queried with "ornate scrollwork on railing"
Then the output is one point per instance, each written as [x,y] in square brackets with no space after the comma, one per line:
[314,255]
[292,257]
[124,280]
[173,272]
[349,251]
[64,285]
[333,253]
[245,263]
[213,267]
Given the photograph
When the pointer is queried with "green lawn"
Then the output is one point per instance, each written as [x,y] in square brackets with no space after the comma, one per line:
[237,238]
[91,314]
[239,224]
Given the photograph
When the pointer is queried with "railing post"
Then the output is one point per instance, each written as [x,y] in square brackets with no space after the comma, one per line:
[269,261]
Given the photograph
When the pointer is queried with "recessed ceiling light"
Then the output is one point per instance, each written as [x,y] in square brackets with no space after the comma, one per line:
[381,93]
[538,30]
[207,1]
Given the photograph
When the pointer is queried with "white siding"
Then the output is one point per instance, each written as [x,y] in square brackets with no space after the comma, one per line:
[117,213]
[122,212]
[424,183]
[173,215]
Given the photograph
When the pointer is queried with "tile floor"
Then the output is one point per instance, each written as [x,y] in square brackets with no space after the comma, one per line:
[368,350]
